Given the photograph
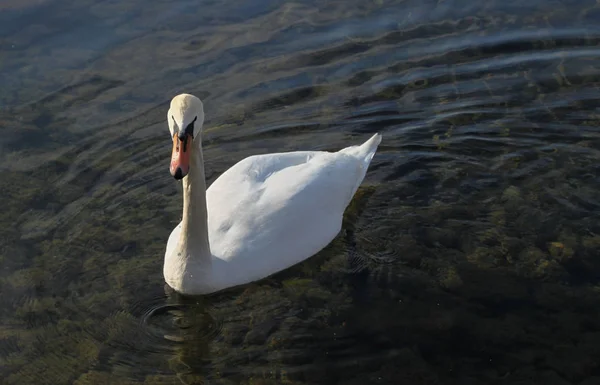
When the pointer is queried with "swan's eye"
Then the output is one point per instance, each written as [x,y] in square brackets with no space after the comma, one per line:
[190,127]
[174,124]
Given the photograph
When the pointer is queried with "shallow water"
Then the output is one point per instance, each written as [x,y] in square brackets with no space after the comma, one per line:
[469,256]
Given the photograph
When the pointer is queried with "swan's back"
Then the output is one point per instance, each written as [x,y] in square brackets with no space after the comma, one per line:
[269,212]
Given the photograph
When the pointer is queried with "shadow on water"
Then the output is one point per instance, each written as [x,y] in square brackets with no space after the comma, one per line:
[469,255]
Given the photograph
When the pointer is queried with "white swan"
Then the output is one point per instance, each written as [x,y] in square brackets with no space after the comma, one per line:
[265,214]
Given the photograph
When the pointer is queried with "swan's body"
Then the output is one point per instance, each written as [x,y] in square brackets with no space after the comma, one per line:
[263,215]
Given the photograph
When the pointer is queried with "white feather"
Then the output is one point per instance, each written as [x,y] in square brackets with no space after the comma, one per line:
[269,212]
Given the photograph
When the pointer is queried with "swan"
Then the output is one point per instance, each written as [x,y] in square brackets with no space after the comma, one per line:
[264,214]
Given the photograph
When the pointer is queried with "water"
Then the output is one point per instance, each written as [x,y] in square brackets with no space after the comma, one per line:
[469,256]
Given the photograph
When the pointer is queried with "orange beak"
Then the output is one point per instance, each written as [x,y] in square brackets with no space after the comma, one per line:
[180,158]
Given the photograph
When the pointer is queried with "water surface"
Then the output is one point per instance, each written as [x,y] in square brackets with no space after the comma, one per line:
[469,256]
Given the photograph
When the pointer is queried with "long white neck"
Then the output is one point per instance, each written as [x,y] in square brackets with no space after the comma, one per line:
[193,245]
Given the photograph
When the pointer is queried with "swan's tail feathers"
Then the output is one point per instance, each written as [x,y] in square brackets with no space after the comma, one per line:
[365,151]
[363,154]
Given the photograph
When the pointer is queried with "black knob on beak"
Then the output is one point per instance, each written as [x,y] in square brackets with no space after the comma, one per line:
[178,174]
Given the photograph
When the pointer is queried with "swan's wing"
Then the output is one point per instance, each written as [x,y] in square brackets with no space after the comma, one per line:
[237,191]
[269,212]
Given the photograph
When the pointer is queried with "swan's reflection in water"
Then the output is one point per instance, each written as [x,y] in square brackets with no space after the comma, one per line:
[180,327]
[161,334]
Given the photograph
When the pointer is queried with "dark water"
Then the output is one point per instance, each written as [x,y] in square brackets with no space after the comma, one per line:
[469,256]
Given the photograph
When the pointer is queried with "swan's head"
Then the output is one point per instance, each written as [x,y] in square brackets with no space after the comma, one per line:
[185,117]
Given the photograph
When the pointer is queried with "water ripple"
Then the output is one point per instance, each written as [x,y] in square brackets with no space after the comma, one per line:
[482,194]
